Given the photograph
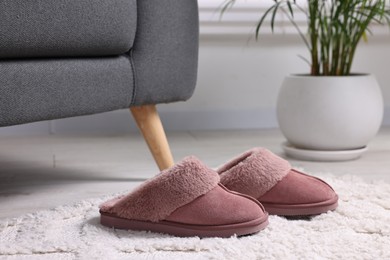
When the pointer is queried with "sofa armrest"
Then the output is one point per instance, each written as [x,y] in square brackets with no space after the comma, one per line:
[165,51]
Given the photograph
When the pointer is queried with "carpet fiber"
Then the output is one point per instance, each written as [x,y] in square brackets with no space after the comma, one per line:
[358,229]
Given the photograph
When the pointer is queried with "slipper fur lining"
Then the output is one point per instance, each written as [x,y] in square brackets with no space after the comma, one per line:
[254,172]
[158,197]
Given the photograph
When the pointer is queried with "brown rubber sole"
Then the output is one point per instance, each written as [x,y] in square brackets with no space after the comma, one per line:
[301,209]
[185,230]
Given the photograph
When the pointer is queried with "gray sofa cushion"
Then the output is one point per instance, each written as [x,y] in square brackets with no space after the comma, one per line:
[53,28]
[33,90]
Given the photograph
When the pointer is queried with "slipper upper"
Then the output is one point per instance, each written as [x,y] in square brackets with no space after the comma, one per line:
[220,206]
[299,188]
[281,189]
[254,172]
[161,195]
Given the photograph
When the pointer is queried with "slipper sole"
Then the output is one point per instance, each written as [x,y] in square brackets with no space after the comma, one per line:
[301,209]
[185,230]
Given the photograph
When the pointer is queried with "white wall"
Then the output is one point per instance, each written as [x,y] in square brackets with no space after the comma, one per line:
[237,87]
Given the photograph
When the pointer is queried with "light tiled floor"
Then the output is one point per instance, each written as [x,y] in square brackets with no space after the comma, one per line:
[41,172]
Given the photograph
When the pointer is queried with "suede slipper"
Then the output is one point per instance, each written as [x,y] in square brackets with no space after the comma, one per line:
[185,200]
[282,190]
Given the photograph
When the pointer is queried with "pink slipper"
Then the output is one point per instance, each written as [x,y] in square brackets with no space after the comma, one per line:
[281,189]
[185,200]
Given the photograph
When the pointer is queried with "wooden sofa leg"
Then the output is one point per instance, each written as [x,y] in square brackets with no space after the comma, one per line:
[150,125]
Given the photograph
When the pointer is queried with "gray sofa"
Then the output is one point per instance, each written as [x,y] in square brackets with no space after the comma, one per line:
[64,58]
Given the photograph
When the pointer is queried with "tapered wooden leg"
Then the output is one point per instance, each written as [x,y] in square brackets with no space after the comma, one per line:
[150,125]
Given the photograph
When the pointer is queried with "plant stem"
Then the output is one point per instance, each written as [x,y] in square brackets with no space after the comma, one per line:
[335,28]
[315,68]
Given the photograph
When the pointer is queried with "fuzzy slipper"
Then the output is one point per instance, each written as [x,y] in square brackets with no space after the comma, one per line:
[282,190]
[185,200]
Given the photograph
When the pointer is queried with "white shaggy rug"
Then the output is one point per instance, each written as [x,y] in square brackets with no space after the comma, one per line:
[358,229]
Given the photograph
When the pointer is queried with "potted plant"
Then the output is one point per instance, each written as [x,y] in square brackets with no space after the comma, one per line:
[329,113]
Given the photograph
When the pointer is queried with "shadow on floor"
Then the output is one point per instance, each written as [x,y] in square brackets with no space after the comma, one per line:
[16,174]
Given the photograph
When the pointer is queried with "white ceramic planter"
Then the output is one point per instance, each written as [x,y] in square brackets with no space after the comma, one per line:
[330,113]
